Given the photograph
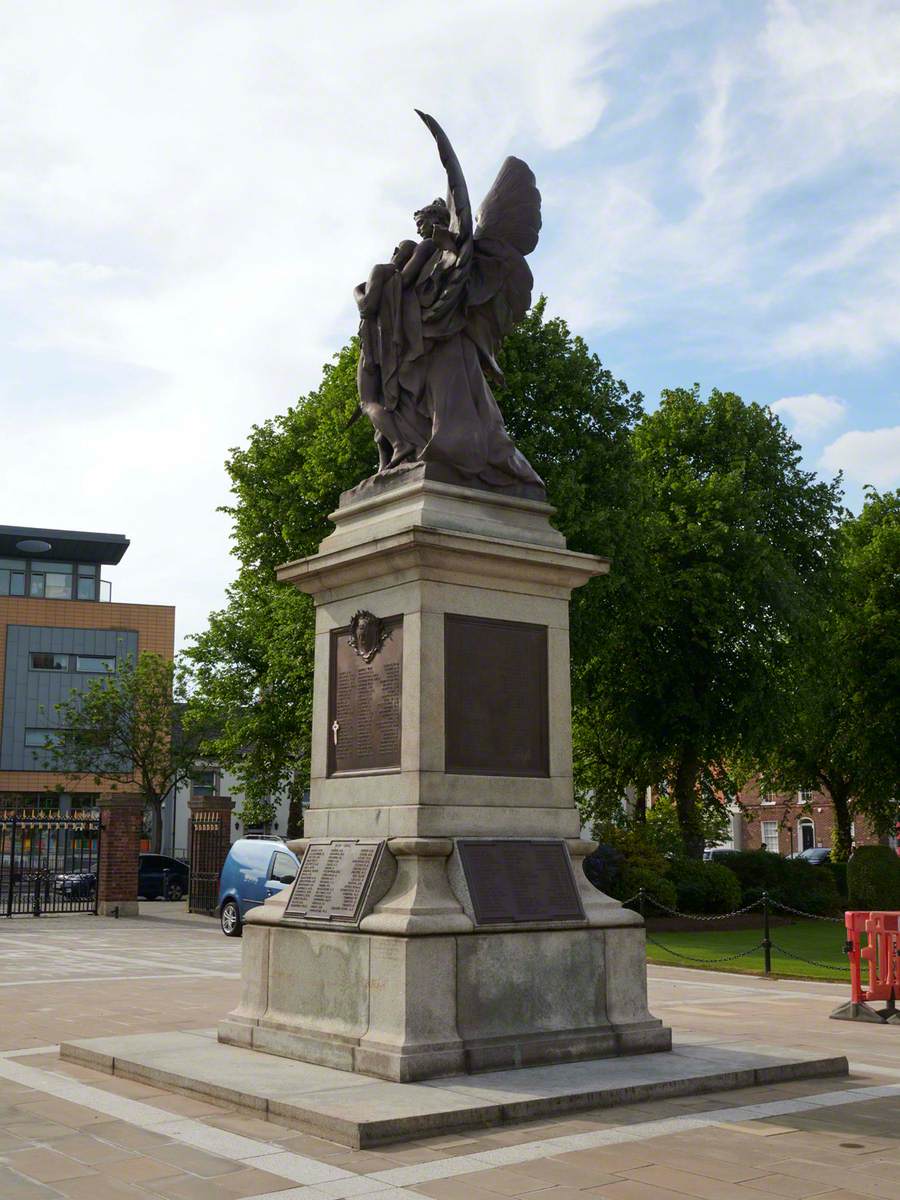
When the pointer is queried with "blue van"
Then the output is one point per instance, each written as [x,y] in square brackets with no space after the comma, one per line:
[256,868]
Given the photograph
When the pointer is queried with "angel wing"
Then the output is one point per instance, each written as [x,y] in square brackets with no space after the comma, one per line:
[500,282]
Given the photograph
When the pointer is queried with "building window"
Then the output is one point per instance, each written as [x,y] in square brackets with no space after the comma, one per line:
[46,660]
[87,664]
[770,835]
[767,797]
[51,580]
[95,664]
[40,739]
[12,577]
[87,581]
[203,783]
[805,796]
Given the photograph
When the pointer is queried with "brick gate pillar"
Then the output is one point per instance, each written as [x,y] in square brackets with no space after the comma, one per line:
[121,819]
[209,840]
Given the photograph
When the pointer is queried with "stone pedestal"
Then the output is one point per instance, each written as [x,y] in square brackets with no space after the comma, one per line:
[460,733]
[121,818]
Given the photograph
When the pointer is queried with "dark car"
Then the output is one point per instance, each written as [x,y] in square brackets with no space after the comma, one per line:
[816,857]
[76,885]
[160,875]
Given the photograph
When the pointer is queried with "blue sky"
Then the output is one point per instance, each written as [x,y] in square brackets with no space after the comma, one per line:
[189,192]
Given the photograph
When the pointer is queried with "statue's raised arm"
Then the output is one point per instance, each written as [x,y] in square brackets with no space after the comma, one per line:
[432,322]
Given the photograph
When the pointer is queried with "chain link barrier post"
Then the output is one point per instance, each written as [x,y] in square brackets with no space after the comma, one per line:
[767,941]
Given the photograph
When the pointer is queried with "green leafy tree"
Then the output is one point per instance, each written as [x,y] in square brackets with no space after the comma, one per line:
[690,675]
[251,670]
[846,680]
[121,732]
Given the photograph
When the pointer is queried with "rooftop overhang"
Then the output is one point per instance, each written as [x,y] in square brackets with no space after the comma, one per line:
[65,544]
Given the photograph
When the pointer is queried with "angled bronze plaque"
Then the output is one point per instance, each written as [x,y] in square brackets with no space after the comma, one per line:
[333,879]
[495,697]
[511,881]
[364,696]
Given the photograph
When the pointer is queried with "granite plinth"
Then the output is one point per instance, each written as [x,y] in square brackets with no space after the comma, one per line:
[357,1111]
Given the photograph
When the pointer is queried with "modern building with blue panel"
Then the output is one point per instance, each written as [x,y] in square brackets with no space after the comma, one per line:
[59,629]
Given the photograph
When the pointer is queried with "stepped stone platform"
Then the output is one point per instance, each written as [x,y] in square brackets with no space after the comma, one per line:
[359,1111]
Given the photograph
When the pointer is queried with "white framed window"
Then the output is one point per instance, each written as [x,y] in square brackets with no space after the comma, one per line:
[767,797]
[805,796]
[770,835]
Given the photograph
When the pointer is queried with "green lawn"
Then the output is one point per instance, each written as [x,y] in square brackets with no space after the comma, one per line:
[818,940]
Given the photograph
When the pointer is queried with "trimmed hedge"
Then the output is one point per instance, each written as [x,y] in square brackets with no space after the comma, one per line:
[839,873]
[873,878]
[704,887]
[790,881]
[656,887]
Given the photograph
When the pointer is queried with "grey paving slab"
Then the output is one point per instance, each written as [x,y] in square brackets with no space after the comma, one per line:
[359,1111]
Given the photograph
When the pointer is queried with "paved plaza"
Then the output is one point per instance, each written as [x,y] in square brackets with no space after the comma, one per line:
[66,1131]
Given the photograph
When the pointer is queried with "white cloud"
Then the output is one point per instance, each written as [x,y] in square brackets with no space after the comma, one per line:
[811,414]
[866,456]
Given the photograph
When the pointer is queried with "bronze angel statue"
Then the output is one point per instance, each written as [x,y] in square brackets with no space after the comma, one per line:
[432,321]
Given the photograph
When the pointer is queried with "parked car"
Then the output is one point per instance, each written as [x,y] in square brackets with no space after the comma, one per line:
[817,856]
[718,854]
[160,875]
[76,885]
[256,868]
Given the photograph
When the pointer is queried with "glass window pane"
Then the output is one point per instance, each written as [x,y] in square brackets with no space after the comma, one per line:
[58,586]
[284,869]
[87,589]
[17,584]
[12,564]
[770,835]
[45,660]
[87,568]
[41,565]
[94,663]
[4,582]
[203,783]
[37,585]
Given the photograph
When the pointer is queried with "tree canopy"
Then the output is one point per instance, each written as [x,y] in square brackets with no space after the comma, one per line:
[846,680]
[690,674]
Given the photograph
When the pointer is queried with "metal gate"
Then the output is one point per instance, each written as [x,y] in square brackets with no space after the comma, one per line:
[209,845]
[49,863]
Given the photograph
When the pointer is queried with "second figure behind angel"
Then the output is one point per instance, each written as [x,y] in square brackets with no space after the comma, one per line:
[432,322]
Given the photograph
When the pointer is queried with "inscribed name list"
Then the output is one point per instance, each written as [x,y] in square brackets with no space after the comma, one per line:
[332,881]
[512,881]
[364,719]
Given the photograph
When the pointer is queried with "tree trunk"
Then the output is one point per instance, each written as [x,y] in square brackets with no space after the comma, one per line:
[156,831]
[841,834]
[686,804]
[640,802]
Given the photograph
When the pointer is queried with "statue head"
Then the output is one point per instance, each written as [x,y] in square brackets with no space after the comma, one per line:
[403,253]
[435,213]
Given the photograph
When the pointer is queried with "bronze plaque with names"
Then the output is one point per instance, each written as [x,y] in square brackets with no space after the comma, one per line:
[364,698]
[512,881]
[495,697]
[333,878]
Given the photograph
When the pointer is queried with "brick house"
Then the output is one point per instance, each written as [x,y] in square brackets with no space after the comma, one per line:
[788,823]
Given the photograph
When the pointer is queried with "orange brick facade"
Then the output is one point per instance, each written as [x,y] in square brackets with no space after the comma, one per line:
[155,627]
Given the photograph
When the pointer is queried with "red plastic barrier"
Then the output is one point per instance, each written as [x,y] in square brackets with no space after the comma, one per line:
[881,954]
